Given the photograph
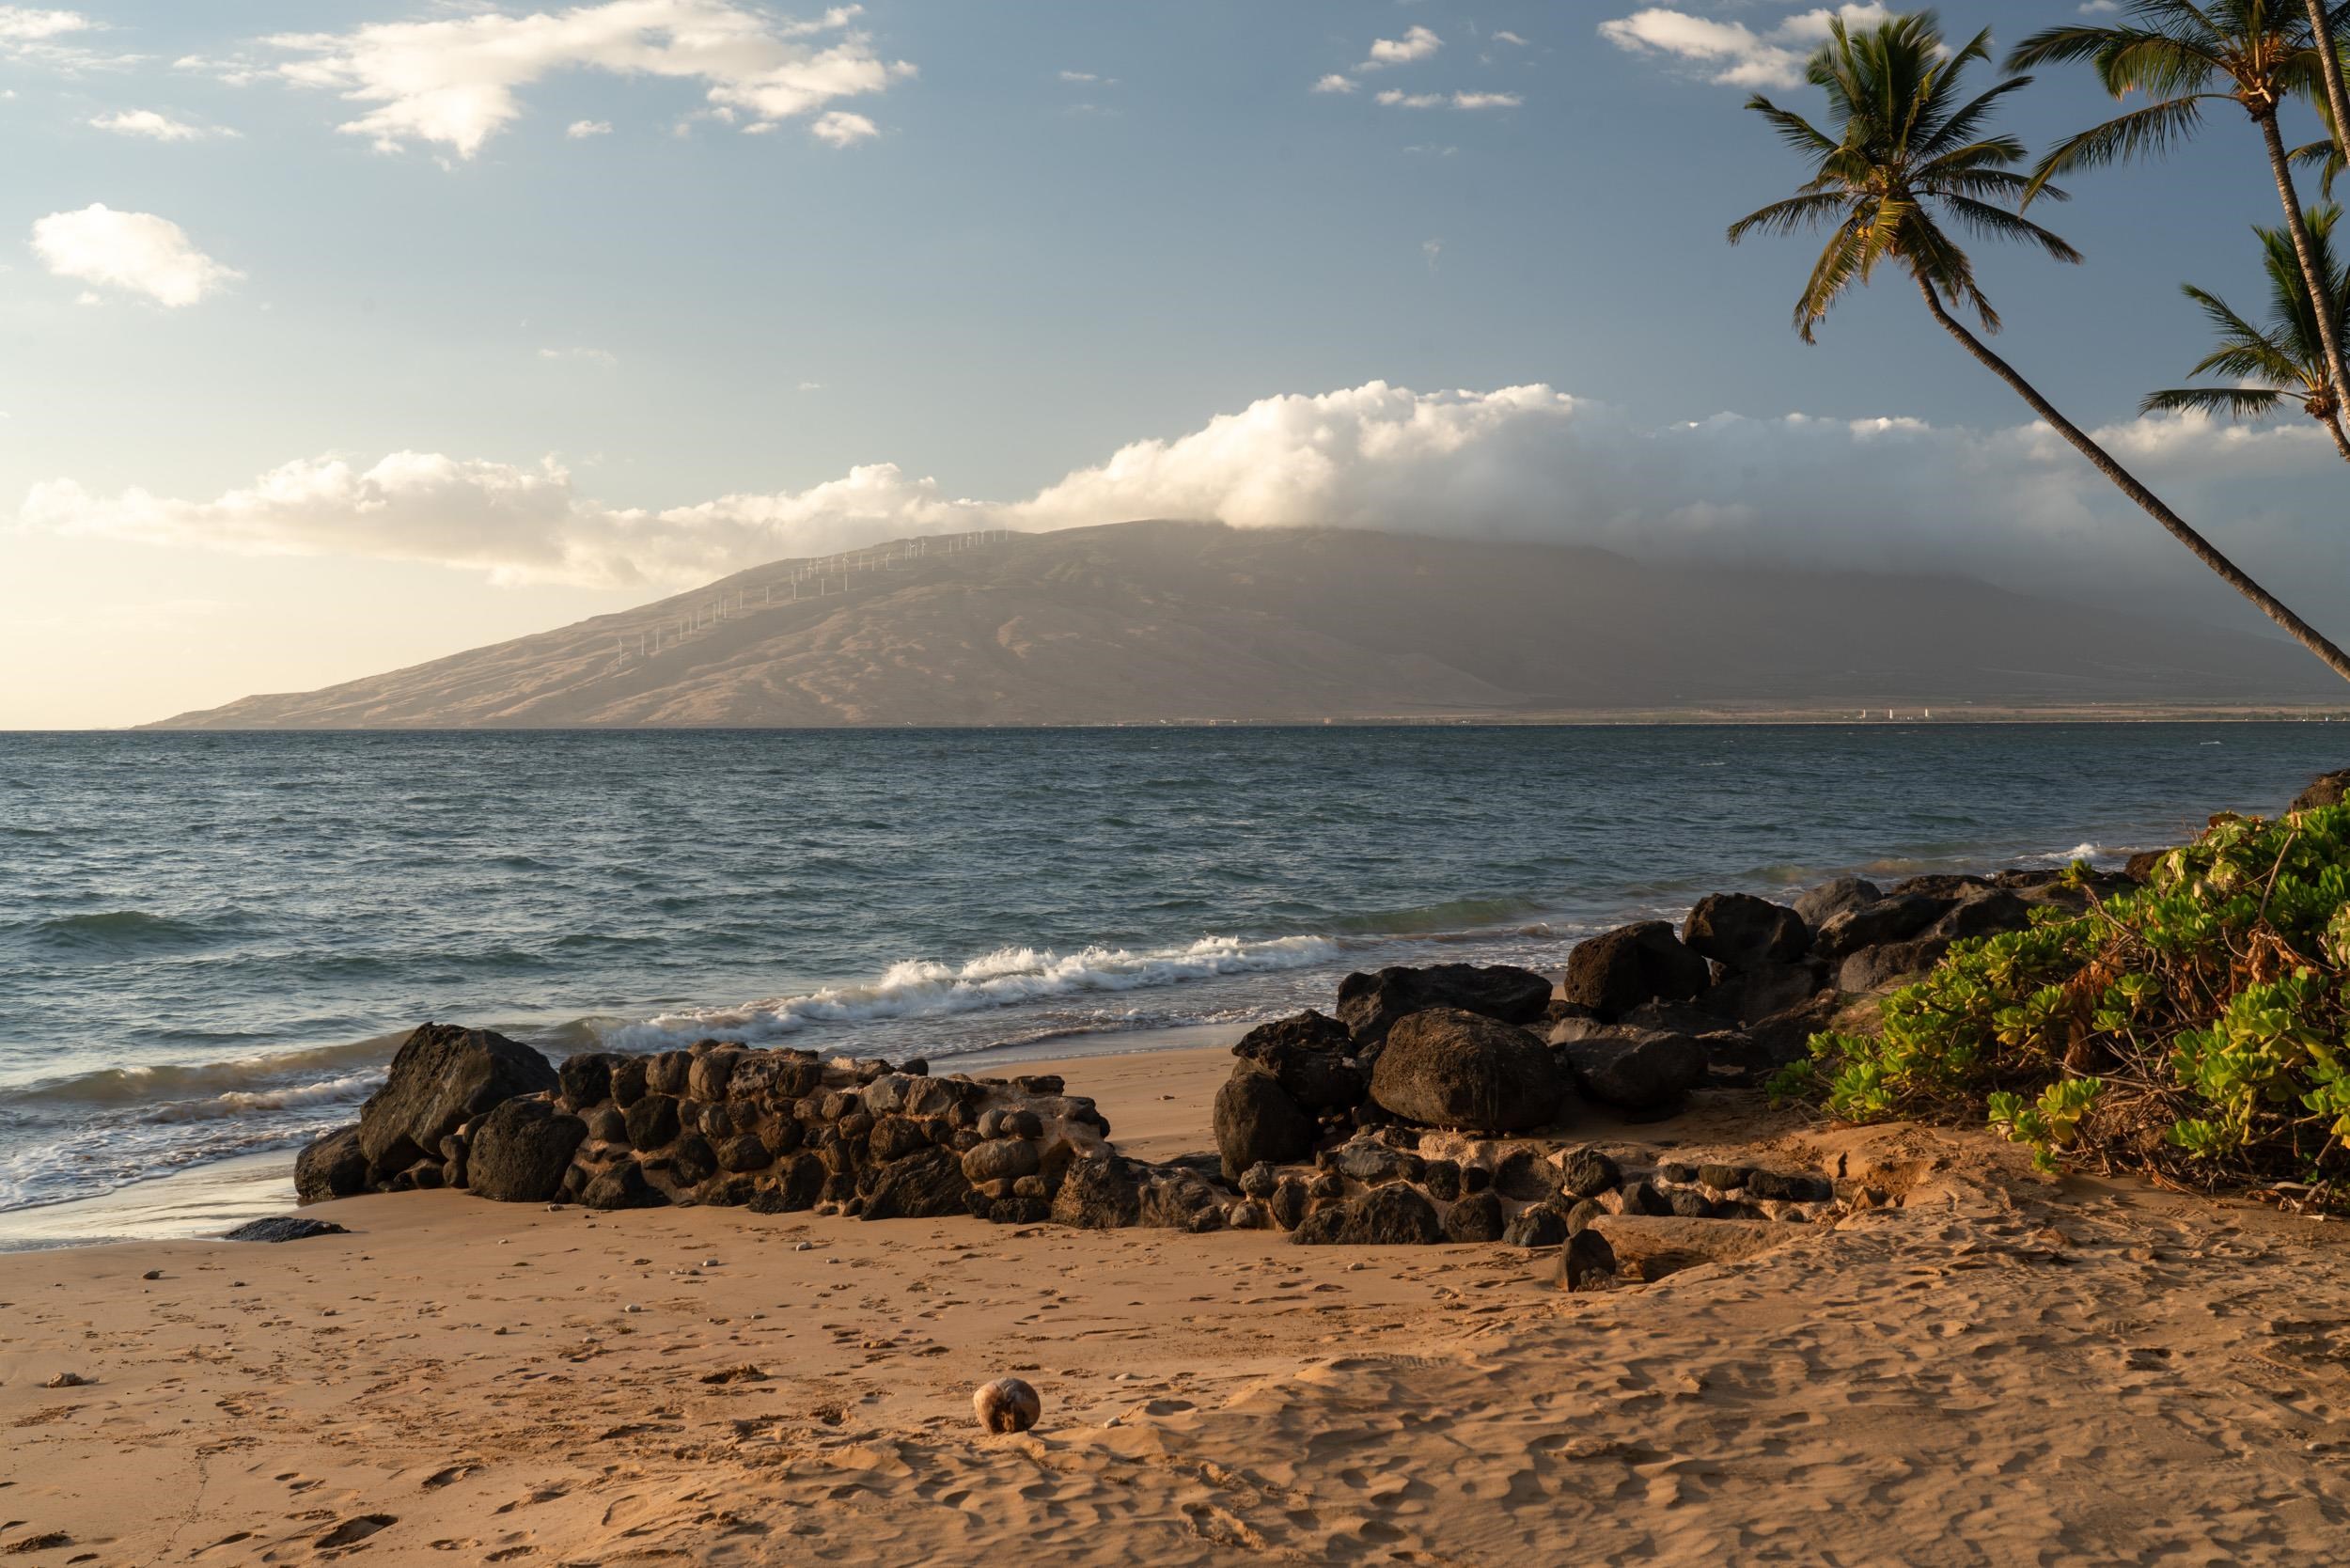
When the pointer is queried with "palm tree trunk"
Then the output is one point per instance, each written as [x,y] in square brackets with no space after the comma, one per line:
[2099,458]
[2327,308]
[2333,428]
[2329,65]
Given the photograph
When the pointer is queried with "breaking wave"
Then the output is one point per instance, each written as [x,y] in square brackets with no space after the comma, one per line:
[921,988]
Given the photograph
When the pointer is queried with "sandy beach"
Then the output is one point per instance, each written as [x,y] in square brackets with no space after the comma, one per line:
[2001,1370]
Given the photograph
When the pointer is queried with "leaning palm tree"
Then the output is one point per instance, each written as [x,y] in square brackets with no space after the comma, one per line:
[2283,360]
[1909,153]
[2185,55]
[2325,24]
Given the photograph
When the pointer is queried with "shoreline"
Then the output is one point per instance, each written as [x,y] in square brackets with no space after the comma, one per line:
[201,1201]
[2003,1368]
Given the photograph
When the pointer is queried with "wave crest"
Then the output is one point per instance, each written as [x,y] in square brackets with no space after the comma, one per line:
[919,988]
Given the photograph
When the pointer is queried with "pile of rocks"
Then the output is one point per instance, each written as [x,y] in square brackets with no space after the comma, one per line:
[774,1131]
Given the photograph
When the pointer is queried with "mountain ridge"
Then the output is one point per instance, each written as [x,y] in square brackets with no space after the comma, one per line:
[1158,621]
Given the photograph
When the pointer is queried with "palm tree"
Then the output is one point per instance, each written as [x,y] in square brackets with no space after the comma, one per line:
[1907,155]
[2284,360]
[2322,22]
[2184,55]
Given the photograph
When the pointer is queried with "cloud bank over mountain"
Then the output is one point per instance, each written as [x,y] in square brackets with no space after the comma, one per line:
[2010,505]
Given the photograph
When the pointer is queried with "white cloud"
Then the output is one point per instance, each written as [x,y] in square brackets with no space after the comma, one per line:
[1731,53]
[453,80]
[162,128]
[1507,37]
[593,356]
[1088,77]
[580,130]
[2013,505]
[1397,99]
[1335,82]
[839,128]
[134,251]
[31,24]
[1416,44]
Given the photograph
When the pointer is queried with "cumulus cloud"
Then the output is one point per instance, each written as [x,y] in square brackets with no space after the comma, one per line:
[2013,505]
[1416,44]
[580,130]
[1731,53]
[1397,99]
[454,81]
[157,127]
[1335,82]
[137,252]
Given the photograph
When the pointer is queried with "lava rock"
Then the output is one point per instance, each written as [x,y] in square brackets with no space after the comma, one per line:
[1879,967]
[1306,1055]
[1098,1192]
[629,1078]
[1526,1177]
[926,1185]
[669,1072]
[1823,904]
[1003,1159]
[1365,1159]
[623,1187]
[441,1077]
[1540,1226]
[1895,917]
[1793,1189]
[1256,1120]
[333,1166]
[521,1150]
[1618,970]
[1259,1180]
[284,1228]
[1587,1262]
[1287,1203]
[1749,996]
[2327,789]
[1987,912]
[1371,1005]
[1724,1178]
[1475,1218]
[1645,1073]
[1442,1177]
[1446,1067]
[1586,1173]
[744,1152]
[1742,932]
[586,1079]
[798,1183]
[653,1121]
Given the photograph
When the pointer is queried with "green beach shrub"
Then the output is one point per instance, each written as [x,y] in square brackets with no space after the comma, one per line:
[2195,1029]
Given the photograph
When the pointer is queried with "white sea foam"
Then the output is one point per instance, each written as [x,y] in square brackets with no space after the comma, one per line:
[252,1102]
[922,988]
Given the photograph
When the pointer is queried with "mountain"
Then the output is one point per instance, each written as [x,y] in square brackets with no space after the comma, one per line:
[1154,621]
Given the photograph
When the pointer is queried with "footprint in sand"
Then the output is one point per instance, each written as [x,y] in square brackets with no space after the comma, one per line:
[354,1529]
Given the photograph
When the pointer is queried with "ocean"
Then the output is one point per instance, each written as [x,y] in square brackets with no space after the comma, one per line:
[210,944]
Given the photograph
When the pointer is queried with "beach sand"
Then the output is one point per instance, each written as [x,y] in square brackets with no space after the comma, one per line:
[2001,1370]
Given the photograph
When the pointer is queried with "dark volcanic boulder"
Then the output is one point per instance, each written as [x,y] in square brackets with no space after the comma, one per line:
[926,1185]
[441,1077]
[1985,912]
[1369,1005]
[333,1166]
[1392,1216]
[1308,1056]
[521,1150]
[1749,996]
[1874,968]
[1638,1071]
[797,1181]
[1785,1037]
[1740,932]
[2327,789]
[1256,1120]
[653,1121]
[2143,865]
[1830,898]
[1587,1262]
[587,1079]
[1446,1068]
[1895,917]
[1478,1218]
[1099,1192]
[1618,970]
[623,1187]
[284,1228]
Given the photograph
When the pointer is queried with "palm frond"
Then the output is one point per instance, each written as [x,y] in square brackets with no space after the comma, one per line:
[2240,402]
[2140,133]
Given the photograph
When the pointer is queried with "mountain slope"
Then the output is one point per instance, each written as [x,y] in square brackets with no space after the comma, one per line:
[1137,622]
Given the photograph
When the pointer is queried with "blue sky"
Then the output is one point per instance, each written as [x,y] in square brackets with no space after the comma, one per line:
[638,308]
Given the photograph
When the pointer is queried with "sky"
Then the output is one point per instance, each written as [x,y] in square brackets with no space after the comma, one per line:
[339,335]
